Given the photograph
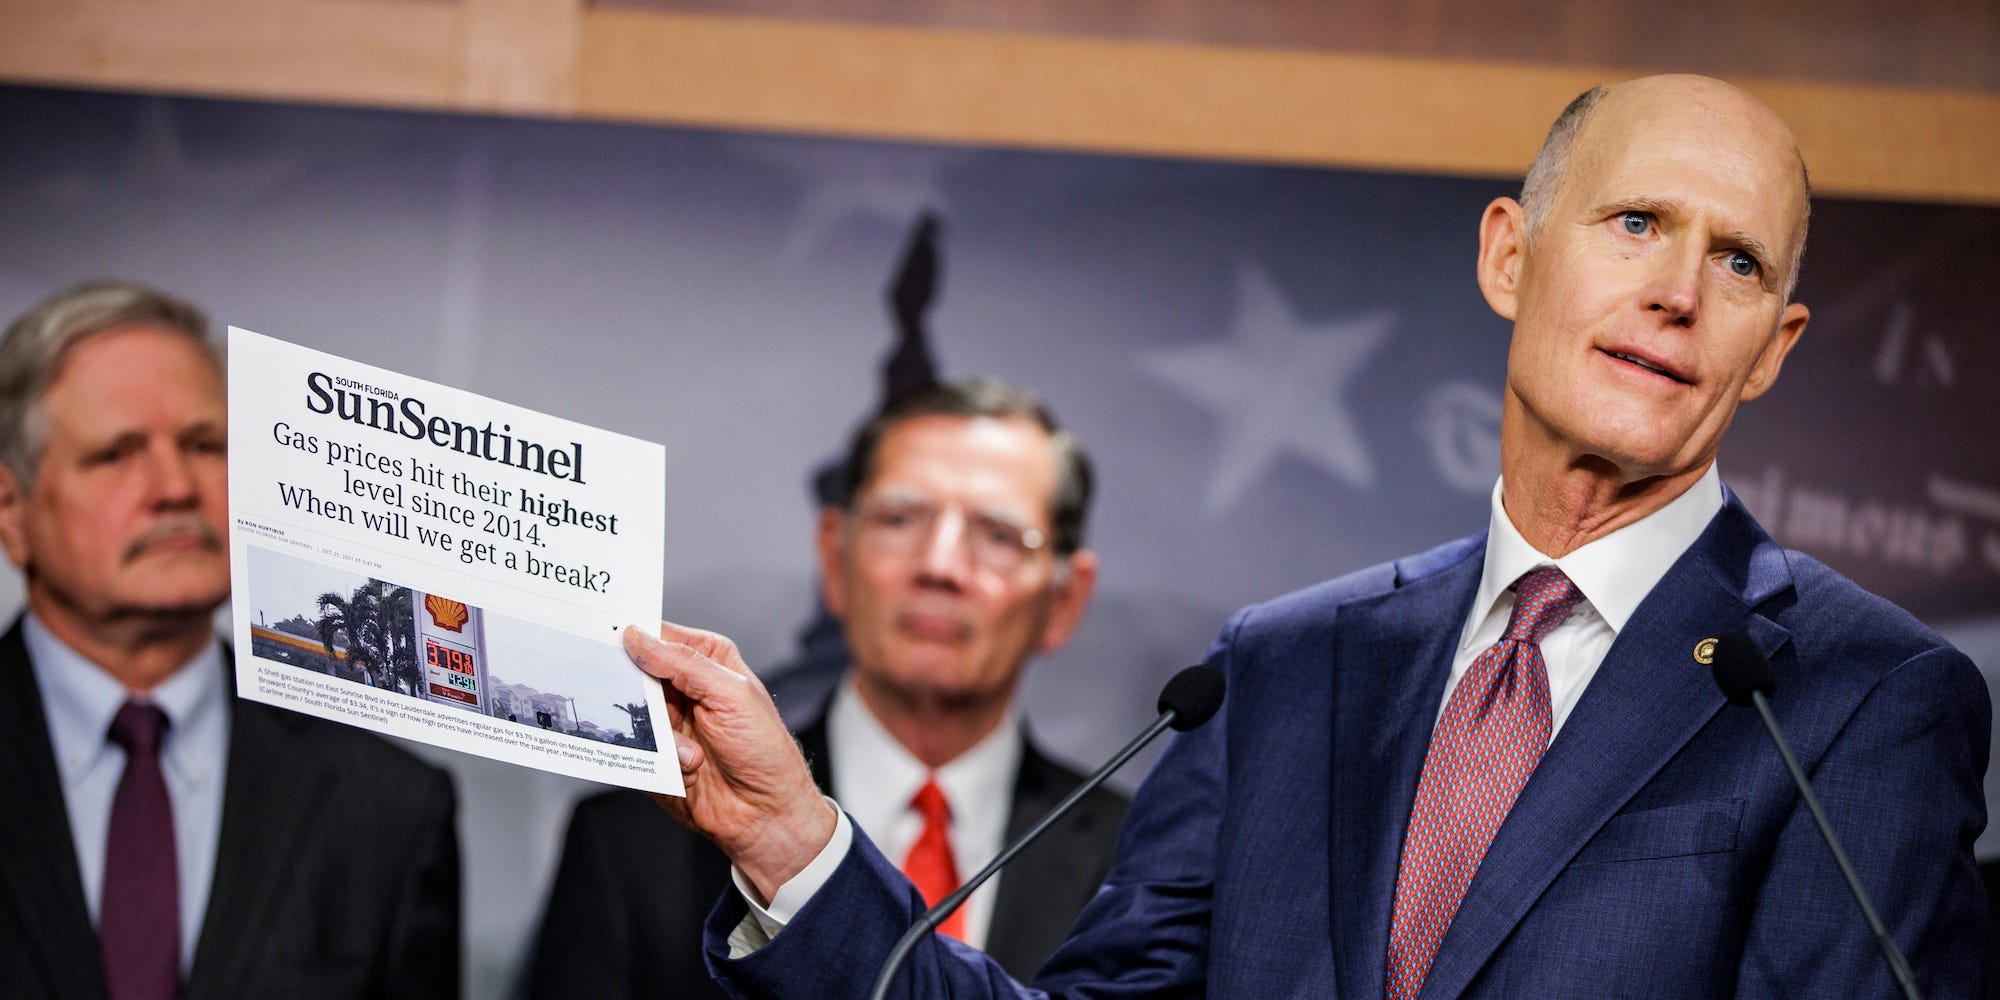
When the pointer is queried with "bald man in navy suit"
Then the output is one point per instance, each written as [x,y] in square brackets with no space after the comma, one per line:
[1498,768]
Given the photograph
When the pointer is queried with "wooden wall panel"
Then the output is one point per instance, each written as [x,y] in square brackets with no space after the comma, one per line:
[1420,115]
[569,58]
[1943,44]
[1070,93]
[520,55]
[346,51]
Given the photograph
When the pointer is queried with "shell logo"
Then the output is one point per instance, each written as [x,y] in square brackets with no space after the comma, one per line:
[446,613]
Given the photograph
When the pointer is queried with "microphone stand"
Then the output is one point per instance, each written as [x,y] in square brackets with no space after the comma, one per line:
[1897,965]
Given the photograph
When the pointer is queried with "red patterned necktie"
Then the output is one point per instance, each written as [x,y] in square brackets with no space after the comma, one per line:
[139,924]
[929,864]
[1492,733]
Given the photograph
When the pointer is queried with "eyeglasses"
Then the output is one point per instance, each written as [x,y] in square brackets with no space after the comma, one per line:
[903,527]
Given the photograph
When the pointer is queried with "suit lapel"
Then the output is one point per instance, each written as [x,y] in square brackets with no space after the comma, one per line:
[39,880]
[272,787]
[1392,653]
[1647,700]
[1055,876]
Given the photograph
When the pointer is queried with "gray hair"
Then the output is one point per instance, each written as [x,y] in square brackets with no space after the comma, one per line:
[1545,178]
[993,398]
[34,348]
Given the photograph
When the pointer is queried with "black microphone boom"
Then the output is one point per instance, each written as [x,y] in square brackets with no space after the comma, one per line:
[1744,674]
[1189,699]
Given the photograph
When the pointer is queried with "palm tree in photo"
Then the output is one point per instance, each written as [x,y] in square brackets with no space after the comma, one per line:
[377,620]
[339,618]
[396,633]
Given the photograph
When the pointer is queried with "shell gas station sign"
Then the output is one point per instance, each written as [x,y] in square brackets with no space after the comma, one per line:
[453,640]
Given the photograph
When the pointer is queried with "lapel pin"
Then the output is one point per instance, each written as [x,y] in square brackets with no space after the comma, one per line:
[1704,651]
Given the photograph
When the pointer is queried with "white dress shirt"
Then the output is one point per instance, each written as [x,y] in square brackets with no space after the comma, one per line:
[79,699]
[1614,573]
[874,781]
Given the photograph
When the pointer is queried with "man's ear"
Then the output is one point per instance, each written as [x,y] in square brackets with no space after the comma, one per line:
[13,514]
[827,539]
[1072,599]
[1503,250]
[1765,373]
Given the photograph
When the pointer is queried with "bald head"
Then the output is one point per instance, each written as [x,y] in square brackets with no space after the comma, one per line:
[1650,297]
[1602,121]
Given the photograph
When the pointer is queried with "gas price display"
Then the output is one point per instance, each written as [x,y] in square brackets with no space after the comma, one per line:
[458,672]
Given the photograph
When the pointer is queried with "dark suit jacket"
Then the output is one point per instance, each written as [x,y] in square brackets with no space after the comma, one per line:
[1990,871]
[336,869]
[625,916]
[1658,850]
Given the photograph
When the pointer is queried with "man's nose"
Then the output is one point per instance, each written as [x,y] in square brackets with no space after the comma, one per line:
[1675,285]
[172,475]
[945,555]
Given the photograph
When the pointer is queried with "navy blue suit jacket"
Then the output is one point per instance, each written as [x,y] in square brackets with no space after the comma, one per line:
[1659,849]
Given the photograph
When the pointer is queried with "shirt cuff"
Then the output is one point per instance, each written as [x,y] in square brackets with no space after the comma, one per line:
[763,922]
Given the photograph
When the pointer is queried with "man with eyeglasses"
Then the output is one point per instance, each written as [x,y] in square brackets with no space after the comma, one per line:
[956,558]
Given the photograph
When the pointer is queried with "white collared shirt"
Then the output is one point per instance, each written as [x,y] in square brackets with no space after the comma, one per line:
[79,699]
[1614,573]
[875,779]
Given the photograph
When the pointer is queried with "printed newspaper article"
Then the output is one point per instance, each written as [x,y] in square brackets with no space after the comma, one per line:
[429,563]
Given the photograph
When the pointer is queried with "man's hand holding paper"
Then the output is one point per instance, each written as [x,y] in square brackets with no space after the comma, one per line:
[748,786]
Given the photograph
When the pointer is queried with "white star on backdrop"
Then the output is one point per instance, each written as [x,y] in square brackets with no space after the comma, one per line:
[1275,386]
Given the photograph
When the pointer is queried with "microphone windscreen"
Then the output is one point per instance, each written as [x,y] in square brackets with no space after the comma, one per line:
[1740,668]
[1193,696]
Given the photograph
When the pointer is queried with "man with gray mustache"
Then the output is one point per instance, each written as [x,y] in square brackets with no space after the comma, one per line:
[162,839]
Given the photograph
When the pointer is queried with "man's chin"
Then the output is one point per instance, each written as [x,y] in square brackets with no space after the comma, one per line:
[1634,452]
[942,679]
[1652,461]
[168,598]
[170,607]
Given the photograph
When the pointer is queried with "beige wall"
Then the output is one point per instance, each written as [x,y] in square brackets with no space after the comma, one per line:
[1424,89]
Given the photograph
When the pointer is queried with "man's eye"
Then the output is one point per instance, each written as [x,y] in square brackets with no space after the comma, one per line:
[1742,263]
[999,533]
[1636,223]
[899,518]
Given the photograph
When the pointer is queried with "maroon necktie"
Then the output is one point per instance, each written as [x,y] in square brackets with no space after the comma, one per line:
[1491,736]
[139,925]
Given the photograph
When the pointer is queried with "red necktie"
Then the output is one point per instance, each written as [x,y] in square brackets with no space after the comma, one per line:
[139,925]
[929,864]
[1492,733]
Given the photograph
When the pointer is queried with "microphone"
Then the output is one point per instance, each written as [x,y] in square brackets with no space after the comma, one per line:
[1744,675]
[1189,699]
